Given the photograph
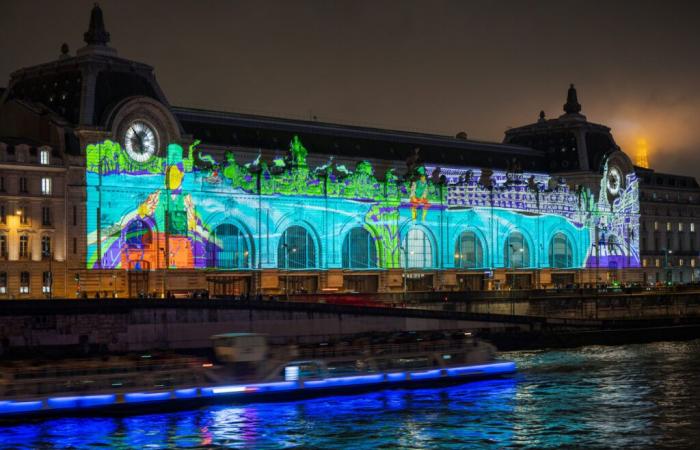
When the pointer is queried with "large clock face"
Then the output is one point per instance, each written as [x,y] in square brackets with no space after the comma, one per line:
[614,181]
[140,141]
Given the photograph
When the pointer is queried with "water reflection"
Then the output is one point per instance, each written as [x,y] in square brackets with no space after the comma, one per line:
[632,396]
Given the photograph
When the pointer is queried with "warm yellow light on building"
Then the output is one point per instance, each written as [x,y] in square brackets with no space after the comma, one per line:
[642,156]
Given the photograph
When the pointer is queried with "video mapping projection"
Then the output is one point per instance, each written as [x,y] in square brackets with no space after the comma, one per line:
[188,210]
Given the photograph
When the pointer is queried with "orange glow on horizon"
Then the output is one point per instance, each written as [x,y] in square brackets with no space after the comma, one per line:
[642,153]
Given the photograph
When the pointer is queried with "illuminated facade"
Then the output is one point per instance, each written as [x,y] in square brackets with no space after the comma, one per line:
[186,210]
[174,199]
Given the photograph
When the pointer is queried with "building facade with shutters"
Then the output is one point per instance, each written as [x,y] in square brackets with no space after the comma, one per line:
[108,189]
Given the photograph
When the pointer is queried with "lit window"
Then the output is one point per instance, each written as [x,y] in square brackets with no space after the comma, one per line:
[656,226]
[680,262]
[680,226]
[657,262]
[469,254]
[24,282]
[517,251]
[359,250]
[668,226]
[47,279]
[228,248]
[3,282]
[296,249]
[46,186]
[418,249]
[692,262]
[44,157]
[644,262]
[560,252]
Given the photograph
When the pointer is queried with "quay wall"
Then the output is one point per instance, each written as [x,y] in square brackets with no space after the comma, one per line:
[134,325]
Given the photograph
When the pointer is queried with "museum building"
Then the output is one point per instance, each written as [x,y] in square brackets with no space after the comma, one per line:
[107,188]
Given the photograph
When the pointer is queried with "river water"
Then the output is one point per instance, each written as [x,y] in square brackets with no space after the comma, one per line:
[633,396]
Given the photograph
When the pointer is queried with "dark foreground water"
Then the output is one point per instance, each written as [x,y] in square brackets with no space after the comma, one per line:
[606,397]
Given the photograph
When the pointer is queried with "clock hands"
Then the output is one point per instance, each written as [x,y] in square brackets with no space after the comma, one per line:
[141,149]
[140,142]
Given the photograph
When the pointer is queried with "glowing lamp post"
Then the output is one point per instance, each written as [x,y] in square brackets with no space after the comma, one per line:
[165,268]
[287,249]
[404,249]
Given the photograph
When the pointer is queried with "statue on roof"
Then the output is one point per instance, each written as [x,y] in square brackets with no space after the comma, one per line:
[96,33]
[572,106]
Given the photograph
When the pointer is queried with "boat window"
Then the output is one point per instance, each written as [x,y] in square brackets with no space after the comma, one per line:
[346,367]
[299,371]
[410,363]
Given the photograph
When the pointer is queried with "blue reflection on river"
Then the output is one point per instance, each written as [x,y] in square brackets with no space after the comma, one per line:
[626,396]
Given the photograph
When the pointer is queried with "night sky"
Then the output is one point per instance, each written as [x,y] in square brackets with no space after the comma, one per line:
[439,67]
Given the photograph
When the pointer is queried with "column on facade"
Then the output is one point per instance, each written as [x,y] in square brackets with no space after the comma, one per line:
[649,237]
[675,238]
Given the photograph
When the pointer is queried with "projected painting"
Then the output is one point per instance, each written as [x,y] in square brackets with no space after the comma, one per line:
[190,210]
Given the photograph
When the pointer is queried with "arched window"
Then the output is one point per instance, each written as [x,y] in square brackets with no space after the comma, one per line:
[561,254]
[139,252]
[418,249]
[296,249]
[516,251]
[138,235]
[359,250]
[469,254]
[228,248]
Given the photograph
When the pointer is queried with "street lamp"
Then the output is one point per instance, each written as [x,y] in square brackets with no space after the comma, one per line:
[512,262]
[285,246]
[46,253]
[165,268]
[404,249]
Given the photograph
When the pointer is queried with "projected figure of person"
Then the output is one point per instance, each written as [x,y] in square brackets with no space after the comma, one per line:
[419,195]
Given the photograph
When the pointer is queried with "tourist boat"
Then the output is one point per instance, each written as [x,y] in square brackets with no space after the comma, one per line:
[247,369]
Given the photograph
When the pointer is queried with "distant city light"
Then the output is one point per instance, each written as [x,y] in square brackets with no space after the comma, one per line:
[642,153]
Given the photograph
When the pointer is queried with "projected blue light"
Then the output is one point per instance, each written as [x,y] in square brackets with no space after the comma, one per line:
[139,397]
[426,375]
[63,402]
[281,386]
[345,381]
[186,393]
[18,407]
[399,376]
[90,401]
